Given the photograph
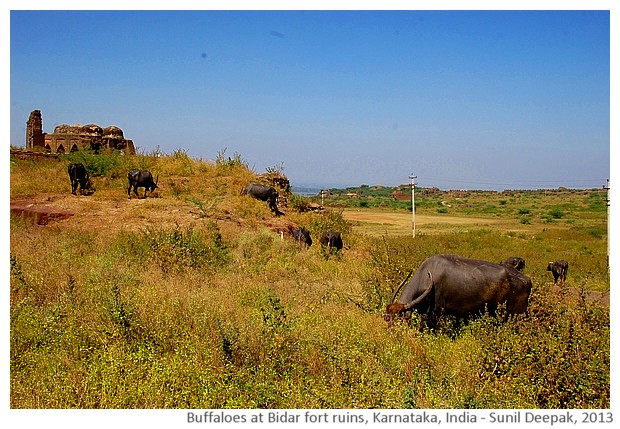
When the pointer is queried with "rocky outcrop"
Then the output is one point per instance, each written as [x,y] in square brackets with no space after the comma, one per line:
[38,213]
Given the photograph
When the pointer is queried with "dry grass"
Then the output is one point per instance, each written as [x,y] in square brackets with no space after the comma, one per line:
[190,299]
[381,222]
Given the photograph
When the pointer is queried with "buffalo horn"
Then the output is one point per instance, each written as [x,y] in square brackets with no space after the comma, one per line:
[421,297]
[400,287]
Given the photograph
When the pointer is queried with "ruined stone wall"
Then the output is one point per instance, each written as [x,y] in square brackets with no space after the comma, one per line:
[69,138]
[34,130]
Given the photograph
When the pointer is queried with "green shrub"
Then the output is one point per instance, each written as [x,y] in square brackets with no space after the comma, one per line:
[98,165]
[177,249]
[329,220]
[298,203]
[556,213]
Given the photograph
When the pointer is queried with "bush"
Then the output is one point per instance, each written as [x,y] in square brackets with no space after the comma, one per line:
[177,249]
[552,357]
[329,220]
[298,203]
[99,165]
[556,213]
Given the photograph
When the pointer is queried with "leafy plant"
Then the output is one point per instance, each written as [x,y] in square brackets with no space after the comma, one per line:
[556,213]
[97,164]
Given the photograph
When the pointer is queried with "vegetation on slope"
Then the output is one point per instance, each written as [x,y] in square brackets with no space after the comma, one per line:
[194,301]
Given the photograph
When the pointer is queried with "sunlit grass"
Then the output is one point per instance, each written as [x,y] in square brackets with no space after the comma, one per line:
[220,312]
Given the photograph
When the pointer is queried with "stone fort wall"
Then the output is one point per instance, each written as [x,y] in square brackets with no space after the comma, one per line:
[69,138]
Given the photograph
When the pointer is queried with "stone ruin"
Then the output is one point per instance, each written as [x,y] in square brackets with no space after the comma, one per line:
[69,138]
[278,181]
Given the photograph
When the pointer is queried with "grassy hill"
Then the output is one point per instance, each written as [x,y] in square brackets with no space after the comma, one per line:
[190,299]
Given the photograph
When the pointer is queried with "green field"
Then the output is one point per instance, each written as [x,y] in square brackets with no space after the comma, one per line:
[191,299]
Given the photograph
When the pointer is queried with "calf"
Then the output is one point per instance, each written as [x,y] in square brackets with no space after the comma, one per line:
[559,269]
[79,176]
[302,235]
[331,239]
[140,179]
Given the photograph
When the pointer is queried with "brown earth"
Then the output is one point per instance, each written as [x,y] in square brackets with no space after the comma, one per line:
[113,215]
[574,294]
[38,213]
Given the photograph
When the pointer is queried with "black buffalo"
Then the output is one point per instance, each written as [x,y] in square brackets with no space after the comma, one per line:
[79,176]
[514,262]
[331,239]
[263,193]
[140,179]
[302,235]
[559,269]
[450,284]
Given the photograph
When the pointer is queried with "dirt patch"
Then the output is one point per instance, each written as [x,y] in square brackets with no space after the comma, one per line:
[575,295]
[37,212]
[115,214]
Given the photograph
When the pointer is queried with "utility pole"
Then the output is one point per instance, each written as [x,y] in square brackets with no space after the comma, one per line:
[412,177]
[608,222]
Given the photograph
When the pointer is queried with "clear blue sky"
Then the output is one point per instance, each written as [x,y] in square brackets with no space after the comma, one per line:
[462,99]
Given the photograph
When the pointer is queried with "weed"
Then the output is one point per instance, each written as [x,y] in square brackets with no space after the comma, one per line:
[177,249]
[228,164]
[17,274]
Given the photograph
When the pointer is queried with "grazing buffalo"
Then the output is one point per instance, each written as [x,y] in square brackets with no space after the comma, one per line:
[79,175]
[141,179]
[332,240]
[514,262]
[263,193]
[559,269]
[459,286]
[302,235]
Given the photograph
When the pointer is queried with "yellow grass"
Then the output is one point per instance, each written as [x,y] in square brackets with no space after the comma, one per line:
[377,222]
[116,306]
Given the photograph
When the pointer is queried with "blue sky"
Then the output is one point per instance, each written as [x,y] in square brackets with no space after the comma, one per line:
[462,99]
